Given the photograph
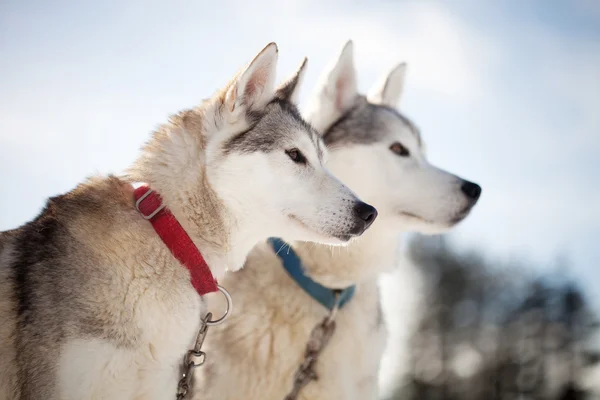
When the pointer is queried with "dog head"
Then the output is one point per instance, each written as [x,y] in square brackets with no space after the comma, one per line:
[379,153]
[247,155]
[271,169]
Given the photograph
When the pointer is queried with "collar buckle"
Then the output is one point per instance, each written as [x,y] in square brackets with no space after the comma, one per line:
[151,214]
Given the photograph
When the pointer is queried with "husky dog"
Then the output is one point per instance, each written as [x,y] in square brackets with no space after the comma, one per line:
[94,305]
[378,153]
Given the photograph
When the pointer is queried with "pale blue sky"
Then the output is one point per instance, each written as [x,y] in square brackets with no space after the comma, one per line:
[505,94]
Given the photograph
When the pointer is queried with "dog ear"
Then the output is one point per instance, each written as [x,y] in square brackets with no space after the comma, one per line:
[252,89]
[290,89]
[389,89]
[336,91]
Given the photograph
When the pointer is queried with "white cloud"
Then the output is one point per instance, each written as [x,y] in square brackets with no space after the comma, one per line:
[445,57]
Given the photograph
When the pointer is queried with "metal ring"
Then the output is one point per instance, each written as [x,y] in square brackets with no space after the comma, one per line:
[227,310]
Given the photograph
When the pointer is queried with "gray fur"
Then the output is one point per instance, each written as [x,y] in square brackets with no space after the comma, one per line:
[44,275]
[288,90]
[366,123]
[271,129]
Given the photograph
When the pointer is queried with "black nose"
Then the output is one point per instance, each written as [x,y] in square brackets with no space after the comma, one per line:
[365,212]
[471,190]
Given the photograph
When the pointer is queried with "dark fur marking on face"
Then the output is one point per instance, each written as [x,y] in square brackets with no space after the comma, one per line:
[413,128]
[364,124]
[246,142]
[269,128]
[331,134]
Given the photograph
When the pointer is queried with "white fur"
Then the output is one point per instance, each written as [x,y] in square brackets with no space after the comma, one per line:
[254,87]
[389,89]
[336,90]
[166,311]
[265,194]
[262,195]
[254,355]
[97,369]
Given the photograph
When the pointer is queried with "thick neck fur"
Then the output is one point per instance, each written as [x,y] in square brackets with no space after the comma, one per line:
[173,164]
[376,251]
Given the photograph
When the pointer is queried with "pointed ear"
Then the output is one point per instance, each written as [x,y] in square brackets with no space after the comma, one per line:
[340,84]
[389,89]
[290,89]
[252,89]
[336,91]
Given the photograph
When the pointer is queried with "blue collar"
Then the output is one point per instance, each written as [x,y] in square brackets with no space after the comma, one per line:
[293,265]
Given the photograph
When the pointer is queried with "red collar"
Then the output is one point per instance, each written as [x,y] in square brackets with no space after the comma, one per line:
[150,206]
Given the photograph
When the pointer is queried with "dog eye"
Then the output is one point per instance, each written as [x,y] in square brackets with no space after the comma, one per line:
[399,149]
[296,156]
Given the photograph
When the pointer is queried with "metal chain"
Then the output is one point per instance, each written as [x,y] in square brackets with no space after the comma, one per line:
[318,340]
[196,357]
[193,359]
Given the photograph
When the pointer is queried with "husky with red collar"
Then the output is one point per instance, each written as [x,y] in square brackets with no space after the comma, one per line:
[100,295]
[288,287]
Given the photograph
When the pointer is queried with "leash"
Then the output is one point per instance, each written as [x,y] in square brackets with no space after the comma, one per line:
[150,206]
[332,299]
[318,340]
[196,357]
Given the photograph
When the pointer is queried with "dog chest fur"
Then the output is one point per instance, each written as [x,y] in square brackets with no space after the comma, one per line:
[272,335]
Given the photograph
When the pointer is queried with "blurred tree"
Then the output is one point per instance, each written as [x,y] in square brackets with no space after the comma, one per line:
[491,331]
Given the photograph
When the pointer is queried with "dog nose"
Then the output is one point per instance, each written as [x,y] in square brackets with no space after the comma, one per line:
[366,213]
[471,190]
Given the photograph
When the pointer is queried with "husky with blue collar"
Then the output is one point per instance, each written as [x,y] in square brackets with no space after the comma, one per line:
[289,288]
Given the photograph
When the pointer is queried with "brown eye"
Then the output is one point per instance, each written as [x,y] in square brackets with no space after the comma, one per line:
[296,156]
[399,149]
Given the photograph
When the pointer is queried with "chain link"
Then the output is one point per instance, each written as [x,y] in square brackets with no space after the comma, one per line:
[193,359]
[196,357]
[318,340]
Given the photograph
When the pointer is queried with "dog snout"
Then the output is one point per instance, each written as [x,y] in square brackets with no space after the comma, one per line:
[471,190]
[365,215]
